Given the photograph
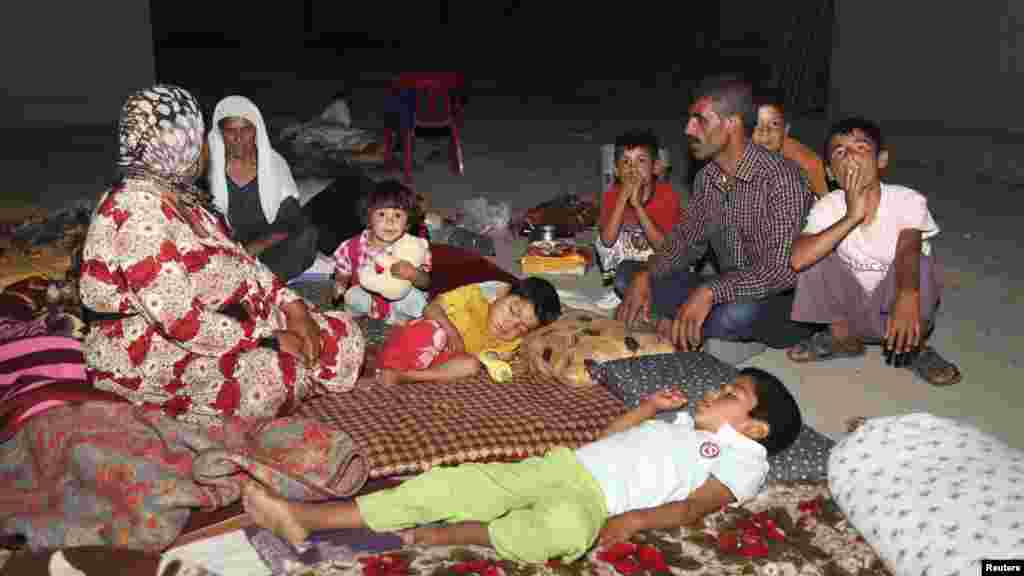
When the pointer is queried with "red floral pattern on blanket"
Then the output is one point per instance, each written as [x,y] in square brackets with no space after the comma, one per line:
[179,350]
[112,474]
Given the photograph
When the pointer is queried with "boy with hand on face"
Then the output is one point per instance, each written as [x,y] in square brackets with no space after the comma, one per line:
[865,265]
[637,211]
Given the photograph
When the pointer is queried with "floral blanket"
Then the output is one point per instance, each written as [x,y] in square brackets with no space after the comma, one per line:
[791,529]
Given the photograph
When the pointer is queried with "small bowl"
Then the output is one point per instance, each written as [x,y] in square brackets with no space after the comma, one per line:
[544,233]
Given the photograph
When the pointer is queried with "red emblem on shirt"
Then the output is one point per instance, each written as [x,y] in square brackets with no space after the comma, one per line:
[709,449]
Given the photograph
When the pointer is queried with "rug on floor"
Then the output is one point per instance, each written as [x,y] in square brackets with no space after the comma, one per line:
[791,528]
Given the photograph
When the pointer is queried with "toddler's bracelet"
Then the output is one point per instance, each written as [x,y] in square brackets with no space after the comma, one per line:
[270,342]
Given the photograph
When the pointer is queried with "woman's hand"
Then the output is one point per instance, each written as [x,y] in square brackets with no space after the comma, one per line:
[299,322]
[256,247]
[290,343]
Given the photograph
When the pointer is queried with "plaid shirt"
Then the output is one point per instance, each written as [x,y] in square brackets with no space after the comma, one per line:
[750,221]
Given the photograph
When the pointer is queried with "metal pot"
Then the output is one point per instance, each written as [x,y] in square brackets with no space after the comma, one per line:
[544,233]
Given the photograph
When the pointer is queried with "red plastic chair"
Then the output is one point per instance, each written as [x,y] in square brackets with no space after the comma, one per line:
[435,107]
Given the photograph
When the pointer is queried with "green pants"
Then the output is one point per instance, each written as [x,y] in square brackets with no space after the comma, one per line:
[540,508]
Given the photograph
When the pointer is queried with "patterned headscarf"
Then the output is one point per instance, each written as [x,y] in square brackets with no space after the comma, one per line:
[160,137]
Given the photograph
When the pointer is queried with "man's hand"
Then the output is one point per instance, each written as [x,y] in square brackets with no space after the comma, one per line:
[903,328]
[688,327]
[618,528]
[404,270]
[666,400]
[637,299]
[855,187]
[301,323]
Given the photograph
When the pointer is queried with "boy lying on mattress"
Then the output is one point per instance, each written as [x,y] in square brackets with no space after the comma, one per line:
[644,473]
[461,327]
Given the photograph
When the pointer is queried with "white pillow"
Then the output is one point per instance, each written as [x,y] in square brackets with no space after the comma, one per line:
[931,495]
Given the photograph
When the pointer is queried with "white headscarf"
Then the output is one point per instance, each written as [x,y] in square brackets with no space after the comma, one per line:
[274,178]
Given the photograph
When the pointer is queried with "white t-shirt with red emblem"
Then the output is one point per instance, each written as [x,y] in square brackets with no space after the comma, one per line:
[658,462]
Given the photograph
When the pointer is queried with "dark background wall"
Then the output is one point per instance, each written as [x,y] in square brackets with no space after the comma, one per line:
[72,62]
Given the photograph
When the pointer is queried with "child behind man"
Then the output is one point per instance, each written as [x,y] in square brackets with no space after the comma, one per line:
[461,324]
[772,132]
[387,212]
[644,473]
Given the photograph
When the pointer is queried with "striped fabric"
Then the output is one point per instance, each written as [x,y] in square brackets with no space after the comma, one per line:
[38,372]
[29,363]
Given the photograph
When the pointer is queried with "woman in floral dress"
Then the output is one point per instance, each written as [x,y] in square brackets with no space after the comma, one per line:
[183,318]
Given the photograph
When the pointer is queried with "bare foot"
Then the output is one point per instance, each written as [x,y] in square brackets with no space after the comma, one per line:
[272,513]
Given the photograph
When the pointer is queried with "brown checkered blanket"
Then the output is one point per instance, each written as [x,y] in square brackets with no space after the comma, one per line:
[409,428]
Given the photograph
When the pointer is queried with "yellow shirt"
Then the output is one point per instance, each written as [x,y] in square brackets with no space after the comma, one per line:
[467,308]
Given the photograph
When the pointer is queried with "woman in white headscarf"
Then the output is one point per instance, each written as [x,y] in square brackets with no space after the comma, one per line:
[253,187]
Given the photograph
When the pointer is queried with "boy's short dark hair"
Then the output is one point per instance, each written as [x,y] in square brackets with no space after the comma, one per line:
[846,127]
[770,97]
[775,407]
[636,139]
[730,94]
[389,194]
[542,294]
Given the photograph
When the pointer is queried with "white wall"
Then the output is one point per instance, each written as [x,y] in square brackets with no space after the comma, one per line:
[71,62]
[907,61]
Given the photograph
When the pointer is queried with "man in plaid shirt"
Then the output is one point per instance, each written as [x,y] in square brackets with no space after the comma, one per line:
[748,206]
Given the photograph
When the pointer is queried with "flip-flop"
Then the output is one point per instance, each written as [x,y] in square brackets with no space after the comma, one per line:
[822,346]
[928,363]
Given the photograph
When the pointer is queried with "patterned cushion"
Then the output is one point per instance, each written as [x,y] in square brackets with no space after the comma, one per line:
[564,348]
[632,379]
[410,428]
[931,495]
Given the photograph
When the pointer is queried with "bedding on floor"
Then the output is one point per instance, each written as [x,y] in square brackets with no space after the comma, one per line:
[791,528]
[112,474]
[410,428]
